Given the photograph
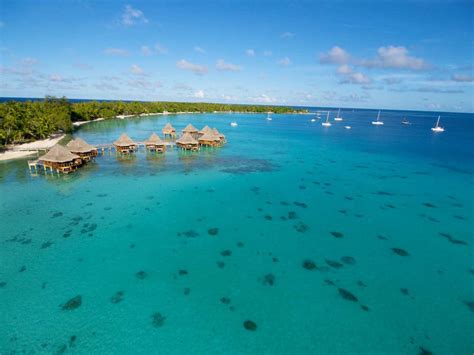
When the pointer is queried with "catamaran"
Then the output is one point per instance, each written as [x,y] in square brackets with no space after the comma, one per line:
[405,121]
[269,118]
[377,122]
[338,117]
[327,123]
[437,127]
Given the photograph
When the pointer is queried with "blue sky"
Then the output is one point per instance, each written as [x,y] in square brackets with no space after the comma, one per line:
[375,54]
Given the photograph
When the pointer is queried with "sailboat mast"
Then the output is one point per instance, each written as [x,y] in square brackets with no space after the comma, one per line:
[327,117]
[437,121]
[378,116]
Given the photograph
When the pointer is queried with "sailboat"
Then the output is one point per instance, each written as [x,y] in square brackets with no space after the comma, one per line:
[405,121]
[327,123]
[269,118]
[338,117]
[377,122]
[437,127]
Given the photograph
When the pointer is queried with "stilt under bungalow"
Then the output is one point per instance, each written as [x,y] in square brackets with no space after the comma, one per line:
[187,142]
[125,145]
[155,144]
[60,159]
[80,147]
[169,131]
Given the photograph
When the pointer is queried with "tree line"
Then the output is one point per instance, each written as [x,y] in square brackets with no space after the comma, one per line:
[32,120]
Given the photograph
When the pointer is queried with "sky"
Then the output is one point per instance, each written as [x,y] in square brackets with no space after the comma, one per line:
[403,54]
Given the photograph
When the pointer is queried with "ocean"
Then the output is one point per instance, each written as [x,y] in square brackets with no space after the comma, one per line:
[293,238]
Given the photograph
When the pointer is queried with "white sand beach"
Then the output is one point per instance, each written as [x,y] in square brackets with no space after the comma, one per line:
[22,150]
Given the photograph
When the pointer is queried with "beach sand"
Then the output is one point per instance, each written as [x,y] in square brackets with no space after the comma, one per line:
[22,150]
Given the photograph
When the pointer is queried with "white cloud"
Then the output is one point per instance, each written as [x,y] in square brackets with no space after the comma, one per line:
[344,69]
[56,77]
[267,53]
[462,78]
[287,35]
[132,16]
[356,78]
[199,94]
[263,98]
[136,70]
[195,68]
[395,58]
[146,51]
[29,61]
[284,61]
[160,49]
[223,66]
[336,55]
[117,52]
[199,49]
[250,52]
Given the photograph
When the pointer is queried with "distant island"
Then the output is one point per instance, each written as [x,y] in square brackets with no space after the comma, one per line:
[27,121]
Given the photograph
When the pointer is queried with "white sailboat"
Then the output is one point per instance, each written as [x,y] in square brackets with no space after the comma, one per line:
[338,117]
[406,122]
[347,127]
[269,118]
[437,127]
[377,122]
[234,124]
[327,123]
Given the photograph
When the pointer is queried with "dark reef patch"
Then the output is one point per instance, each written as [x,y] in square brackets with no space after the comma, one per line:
[56,214]
[405,291]
[300,204]
[268,280]
[213,231]
[470,305]
[334,264]
[158,320]
[337,234]
[220,264]
[364,308]
[72,304]
[117,298]
[141,275]
[183,272]
[186,291]
[347,295]
[301,227]
[225,300]
[424,351]
[46,244]
[268,217]
[451,239]
[429,205]
[400,252]
[3,284]
[226,252]
[188,234]
[250,325]
[241,165]
[309,264]
[348,260]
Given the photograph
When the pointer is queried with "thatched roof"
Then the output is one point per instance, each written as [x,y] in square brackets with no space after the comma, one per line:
[79,145]
[58,154]
[217,133]
[207,137]
[168,128]
[124,141]
[186,139]
[206,129]
[190,129]
[154,140]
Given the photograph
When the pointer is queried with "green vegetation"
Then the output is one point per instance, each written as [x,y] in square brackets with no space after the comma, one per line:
[32,120]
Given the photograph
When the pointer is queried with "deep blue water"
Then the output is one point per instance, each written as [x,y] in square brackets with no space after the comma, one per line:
[330,240]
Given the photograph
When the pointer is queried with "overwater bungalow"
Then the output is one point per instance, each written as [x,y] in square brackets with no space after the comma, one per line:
[209,139]
[80,147]
[204,130]
[169,131]
[125,145]
[220,135]
[187,142]
[155,144]
[60,159]
[193,131]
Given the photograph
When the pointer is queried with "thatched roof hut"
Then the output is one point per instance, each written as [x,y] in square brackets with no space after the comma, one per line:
[218,134]
[190,129]
[187,141]
[79,145]
[209,139]
[169,130]
[205,129]
[58,154]
[155,143]
[124,141]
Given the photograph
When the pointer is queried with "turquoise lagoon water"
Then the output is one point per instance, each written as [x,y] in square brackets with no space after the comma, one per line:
[329,240]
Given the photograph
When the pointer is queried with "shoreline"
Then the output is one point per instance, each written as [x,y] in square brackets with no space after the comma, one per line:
[18,151]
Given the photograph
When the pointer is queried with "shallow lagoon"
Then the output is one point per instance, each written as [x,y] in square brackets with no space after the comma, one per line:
[290,239]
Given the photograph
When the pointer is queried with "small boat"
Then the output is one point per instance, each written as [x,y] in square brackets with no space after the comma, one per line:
[234,124]
[327,123]
[313,120]
[269,118]
[338,117]
[406,122]
[377,122]
[347,127]
[437,127]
